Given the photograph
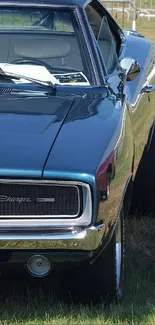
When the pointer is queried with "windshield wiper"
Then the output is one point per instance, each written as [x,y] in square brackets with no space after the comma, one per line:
[10,75]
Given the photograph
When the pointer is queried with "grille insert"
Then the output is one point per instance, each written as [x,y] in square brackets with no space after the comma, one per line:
[17,200]
[5,91]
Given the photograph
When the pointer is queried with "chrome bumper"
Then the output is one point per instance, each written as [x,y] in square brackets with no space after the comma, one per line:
[87,240]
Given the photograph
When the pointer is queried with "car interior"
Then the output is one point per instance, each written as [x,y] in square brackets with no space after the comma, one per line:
[57,51]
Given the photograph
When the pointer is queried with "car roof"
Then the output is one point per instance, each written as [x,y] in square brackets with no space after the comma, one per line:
[79,3]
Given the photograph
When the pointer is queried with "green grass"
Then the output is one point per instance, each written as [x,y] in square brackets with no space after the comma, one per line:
[25,301]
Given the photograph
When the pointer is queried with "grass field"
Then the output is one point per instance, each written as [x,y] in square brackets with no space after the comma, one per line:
[27,301]
[147,28]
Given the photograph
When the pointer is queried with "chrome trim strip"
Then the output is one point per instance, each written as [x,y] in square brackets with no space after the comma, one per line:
[47,221]
[38,182]
[96,47]
[89,49]
[35,5]
[87,239]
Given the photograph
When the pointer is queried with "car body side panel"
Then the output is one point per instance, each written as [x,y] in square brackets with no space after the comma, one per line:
[121,172]
[142,114]
[142,107]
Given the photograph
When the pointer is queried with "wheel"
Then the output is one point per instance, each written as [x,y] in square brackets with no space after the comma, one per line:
[109,267]
[104,279]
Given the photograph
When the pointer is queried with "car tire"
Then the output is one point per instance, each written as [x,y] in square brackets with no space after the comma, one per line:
[109,267]
[103,280]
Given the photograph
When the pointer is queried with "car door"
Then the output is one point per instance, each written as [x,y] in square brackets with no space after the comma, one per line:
[141,103]
[112,49]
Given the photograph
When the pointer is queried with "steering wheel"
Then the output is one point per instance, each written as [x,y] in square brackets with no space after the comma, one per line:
[46,65]
[33,62]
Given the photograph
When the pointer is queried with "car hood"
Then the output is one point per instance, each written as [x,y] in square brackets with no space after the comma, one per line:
[87,137]
[28,130]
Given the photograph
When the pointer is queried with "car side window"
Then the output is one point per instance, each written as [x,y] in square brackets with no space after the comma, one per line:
[105,39]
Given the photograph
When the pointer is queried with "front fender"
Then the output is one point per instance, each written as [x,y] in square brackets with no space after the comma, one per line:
[119,166]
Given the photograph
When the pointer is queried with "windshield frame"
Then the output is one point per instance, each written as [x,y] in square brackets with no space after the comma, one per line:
[81,32]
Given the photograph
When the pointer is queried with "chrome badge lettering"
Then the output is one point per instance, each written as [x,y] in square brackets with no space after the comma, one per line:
[45,199]
[4,198]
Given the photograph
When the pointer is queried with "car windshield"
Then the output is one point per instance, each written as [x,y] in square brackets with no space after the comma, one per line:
[49,38]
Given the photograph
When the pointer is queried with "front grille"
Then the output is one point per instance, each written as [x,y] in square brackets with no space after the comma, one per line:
[39,200]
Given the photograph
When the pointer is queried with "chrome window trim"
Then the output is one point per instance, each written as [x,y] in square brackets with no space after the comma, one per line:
[101,64]
[32,5]
[47,221]
[89,49]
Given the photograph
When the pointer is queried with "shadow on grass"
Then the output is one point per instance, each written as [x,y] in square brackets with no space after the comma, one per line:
[26,300]
[143,194]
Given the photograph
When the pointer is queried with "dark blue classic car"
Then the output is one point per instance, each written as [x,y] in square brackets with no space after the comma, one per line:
[77,110]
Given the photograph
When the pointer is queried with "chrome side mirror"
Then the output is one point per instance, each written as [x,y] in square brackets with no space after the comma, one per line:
[148,89]
[131,68]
